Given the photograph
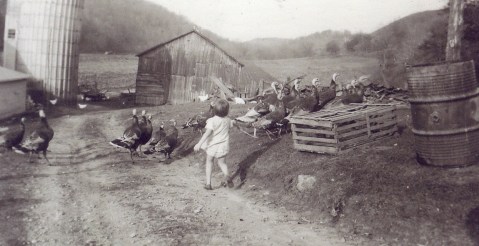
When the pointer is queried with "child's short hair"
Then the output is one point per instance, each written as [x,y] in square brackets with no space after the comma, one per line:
[221,108]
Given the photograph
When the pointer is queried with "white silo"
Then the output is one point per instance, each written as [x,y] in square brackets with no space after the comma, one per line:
[42,38]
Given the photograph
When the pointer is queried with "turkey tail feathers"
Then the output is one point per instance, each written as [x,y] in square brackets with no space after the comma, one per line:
[121,143]
[21,150]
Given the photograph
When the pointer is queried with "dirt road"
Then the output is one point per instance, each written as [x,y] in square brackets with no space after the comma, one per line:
[94,195]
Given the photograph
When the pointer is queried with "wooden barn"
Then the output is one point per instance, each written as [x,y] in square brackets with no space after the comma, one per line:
[180,70]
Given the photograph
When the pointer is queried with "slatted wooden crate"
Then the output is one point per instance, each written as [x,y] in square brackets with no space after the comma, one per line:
[336,129]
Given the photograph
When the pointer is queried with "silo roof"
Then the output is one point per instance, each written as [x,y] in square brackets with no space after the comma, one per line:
[8,75]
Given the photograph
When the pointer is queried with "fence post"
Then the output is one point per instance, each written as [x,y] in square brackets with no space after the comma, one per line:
[455,30]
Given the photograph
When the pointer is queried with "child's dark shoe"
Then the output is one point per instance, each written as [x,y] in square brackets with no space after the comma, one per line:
[208,187]
[230,183]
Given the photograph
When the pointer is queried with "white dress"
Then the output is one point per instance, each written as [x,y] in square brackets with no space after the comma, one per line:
[218,144]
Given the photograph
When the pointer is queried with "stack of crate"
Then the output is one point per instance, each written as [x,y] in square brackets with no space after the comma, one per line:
[337,129]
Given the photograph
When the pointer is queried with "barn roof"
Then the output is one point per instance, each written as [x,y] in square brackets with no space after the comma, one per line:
[7,75]
[252,72]
[186,34]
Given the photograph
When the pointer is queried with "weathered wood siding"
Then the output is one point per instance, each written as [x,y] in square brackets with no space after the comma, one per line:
[153,78]
[178,71]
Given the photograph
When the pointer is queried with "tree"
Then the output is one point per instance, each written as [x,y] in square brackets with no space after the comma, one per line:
[332,47]
[359,43]
[433,49]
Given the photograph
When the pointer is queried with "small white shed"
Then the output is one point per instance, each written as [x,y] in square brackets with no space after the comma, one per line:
[13,92]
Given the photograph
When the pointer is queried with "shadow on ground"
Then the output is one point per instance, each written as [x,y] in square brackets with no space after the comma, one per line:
[248,161]
[472,225]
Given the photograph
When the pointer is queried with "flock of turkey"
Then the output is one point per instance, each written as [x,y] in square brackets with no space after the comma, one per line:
[271,114]
[278,104]
[140,132]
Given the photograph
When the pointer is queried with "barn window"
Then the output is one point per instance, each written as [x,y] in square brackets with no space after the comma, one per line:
[11,33]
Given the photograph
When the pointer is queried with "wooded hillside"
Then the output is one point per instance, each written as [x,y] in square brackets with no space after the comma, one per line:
[130,26]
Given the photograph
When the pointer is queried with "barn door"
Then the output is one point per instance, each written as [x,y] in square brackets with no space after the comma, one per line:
[177,90]
[203,85]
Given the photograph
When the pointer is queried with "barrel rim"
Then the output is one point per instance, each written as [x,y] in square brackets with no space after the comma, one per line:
[462,130]
[445,98]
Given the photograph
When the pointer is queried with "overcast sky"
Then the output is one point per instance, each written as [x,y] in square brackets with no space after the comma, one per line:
[243,20]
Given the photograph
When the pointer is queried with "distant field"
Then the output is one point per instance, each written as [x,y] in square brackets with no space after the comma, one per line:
[113,72]
[348,67]
[118,72]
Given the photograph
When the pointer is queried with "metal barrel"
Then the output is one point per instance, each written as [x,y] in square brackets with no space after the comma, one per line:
[445,113]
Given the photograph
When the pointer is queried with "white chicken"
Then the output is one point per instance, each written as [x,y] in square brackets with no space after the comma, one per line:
[204,98]
[239,100]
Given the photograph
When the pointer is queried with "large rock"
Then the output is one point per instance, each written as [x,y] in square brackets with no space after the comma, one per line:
[305,182]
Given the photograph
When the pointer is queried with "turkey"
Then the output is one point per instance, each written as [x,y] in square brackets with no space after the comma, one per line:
[270,95]
[291,99]
[308,98]
[164,140]
[253,114]
[13,136]
[198,122]
[327,94]
[263,107]
[354,93]
[146,129]
[272,121]
[312,97]
[131,137]
[38,140]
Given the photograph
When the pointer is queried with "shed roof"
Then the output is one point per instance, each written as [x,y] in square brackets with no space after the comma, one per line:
[8,75]
[186,34]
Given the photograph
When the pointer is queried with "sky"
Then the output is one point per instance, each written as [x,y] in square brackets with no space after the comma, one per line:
[243,20]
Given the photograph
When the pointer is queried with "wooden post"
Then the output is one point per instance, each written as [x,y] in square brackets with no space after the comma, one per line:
[455,30]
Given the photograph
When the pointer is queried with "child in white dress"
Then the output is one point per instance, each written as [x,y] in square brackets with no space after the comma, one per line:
[215,141]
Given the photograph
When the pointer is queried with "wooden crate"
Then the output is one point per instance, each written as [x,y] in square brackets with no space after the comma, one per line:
[337,129]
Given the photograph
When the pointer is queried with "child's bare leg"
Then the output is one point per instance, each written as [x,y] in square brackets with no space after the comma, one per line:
[224,169]
[209,168]
[223,166]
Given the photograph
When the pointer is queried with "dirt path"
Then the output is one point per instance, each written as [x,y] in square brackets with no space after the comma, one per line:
[93,195]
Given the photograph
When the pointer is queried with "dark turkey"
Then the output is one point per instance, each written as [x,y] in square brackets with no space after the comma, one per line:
[164,140]
[38,140]
[354,93]
[198,122]
[13,135]
[146,128]
[253,114]
[131,137]
[274,119]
